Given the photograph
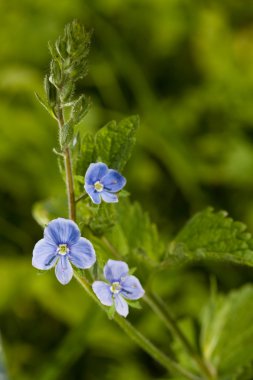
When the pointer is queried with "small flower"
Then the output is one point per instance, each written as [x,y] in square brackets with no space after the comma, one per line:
[101,182]
[62,245]
[122,285]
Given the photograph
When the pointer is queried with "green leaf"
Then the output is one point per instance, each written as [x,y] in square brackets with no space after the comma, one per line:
[140,233]
[114,142]
[227,333]
[85,155]
[69,56]
[134,304]
[50,91]
[79,110]
[103,218]
[210,235]
[135,238]
[66,135]
[45,105]
[49,209]
[111,311]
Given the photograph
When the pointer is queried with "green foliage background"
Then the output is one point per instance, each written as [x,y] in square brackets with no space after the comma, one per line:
[187,69]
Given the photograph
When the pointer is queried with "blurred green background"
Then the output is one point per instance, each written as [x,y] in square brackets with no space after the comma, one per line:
[186,67]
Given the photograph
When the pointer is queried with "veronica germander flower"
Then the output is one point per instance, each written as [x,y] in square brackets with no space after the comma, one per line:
[101,182]
[62,244]
[122,285]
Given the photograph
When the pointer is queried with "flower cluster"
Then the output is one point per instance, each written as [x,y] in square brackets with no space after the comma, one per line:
[63,246]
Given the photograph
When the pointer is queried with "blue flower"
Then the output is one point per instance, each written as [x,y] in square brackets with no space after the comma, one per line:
[101,182]
[122,285]
[62,245]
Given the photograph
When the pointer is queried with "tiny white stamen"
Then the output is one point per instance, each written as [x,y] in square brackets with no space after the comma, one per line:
[62,249]
[115,288]
[99,186]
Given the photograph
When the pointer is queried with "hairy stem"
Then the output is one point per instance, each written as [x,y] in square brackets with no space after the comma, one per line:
[68,171]
[70,185]
[138,338]
[129,329]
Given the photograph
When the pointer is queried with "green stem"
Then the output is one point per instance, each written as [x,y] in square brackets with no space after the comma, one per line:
[160,309]
[70,185]
[83,196]
[68,171]
[129,329]
[158,306]
[138,338]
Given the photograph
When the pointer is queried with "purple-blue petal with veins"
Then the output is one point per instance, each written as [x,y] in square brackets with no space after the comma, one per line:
[93,194]
[113,181]
[44,254]
[131,288]
[121,305]
[109,197]
[103,293]
[62,231]
[82,254]
[63,270]
[115,270]
[95,172]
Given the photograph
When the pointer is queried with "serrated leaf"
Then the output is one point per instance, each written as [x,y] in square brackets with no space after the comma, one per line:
[114,142]
[135,238]
[85,155]
[212,235]
[227,332]
[141,234]
[103,219]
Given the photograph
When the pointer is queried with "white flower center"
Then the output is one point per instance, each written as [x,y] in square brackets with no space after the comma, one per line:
[62,249]
[99,186]
[115,288]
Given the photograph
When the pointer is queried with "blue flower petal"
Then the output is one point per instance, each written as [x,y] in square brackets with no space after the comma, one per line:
[62,231]
[82,254]
[121,305]
[131,288]
[44,254]
[113,181]
[63,270]
[109,197]
[114,270]
[102,291]
[94,195]
[95,172]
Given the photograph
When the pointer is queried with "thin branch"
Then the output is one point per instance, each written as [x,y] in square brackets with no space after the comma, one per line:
[159,308]
[140,339]
[83,196]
